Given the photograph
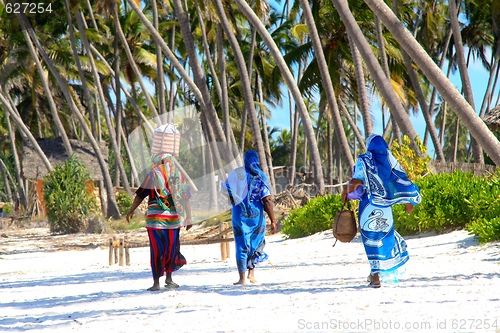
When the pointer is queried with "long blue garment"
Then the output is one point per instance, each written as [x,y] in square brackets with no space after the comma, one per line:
[245,187]
[384,184]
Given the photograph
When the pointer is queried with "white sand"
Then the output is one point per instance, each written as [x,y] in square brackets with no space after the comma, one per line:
[451,284]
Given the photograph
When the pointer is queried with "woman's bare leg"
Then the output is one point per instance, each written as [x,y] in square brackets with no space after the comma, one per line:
[156,285]
[242,280]
[251,276]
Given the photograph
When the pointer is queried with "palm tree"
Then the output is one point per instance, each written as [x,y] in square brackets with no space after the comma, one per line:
[246,85]
[112,205]
[383,83]
[285,71]
[327,83]
[438,79]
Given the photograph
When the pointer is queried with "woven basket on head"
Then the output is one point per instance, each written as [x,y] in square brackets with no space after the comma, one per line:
[166,139]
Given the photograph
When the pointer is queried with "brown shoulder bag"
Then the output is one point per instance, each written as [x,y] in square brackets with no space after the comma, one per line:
[344,224]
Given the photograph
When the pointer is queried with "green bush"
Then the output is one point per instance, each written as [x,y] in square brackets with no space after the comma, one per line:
[68,198]
[124,202]
[8,208]
[317,215]
[450,201]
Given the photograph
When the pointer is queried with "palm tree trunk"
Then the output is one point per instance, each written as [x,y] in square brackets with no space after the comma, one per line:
[352,123]
[199,77]
[129,97]
[294,132]
[464,74]
[132,63]
[160,87]
[109,123]
[224,93]
[85,88]
[493,70]
[330,152]
[17,166]
[118,113]
[383,83]
[327,82]
[463,109]
[244,117]
[265,135]
[6,184]
[22,127]
[278,57]
[48,94]
[246,86]
[112,205]
[455,146]
[421,100]
[364,106]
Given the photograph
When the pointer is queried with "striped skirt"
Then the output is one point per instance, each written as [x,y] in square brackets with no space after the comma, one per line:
[165,251]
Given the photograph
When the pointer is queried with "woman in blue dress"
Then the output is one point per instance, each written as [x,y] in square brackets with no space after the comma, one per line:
[379,182]
[249,193]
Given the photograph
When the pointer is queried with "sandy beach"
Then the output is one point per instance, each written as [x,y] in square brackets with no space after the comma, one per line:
[451,284]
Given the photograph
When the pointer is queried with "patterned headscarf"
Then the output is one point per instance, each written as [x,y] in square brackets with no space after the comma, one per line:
[167,180]
[385,179]
[242,182]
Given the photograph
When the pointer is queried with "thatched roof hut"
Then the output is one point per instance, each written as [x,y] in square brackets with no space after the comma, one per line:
[492,119]
[33,166]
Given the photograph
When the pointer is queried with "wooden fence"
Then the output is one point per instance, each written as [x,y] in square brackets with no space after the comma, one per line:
[449,167]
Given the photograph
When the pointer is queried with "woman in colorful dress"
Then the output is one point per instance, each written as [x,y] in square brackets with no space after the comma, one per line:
[169,209]
[380,182]
[249,193]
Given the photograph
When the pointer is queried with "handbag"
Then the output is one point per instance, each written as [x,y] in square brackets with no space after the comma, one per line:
[344,224]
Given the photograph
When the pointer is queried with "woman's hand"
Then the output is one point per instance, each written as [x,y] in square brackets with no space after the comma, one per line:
[273,227]
[409,208]
[188,223]
[130,215]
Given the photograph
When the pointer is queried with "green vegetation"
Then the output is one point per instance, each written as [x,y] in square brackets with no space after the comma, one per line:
[414,166]
[124,202]
[68,198]
[317,215]
[8,208]
[136,222]
[449,202]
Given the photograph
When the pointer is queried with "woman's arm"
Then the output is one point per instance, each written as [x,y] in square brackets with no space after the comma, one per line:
[353,186]
[135,204]
[409,208]
[268,207]
[187,222]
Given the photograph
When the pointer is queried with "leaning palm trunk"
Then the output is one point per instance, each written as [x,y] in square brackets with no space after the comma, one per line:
[264,133]
[464,75]
[285,71]
[362,95]
[160,88]
[244,117]
[22,127]
[463,109]
[17,167]
[129,97]
[225,95]
[48,94]
[112,205]
[109,123]
[133,65]
[5,173]
[421,100]
[327,83]
[246,85]
[381,80]
[85,88]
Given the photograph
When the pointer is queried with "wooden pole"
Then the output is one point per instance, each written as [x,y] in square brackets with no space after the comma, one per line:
[228,249]
[115,248]
[127,252]
[121,252]
[223,255]
[110,251]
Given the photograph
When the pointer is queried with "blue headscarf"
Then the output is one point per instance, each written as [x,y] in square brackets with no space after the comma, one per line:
[386,182]
[243,182]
